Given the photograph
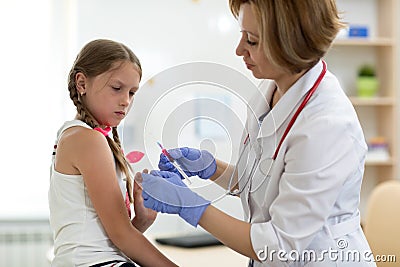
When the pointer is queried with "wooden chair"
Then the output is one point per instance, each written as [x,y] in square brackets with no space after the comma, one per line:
[382,224]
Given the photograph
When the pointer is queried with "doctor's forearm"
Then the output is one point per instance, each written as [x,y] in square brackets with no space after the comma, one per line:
[223,175]
[232,232]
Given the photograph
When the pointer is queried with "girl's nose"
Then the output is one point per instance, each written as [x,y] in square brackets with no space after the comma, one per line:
[125,99]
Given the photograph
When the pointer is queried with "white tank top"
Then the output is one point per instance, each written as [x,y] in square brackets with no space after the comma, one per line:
[79,236]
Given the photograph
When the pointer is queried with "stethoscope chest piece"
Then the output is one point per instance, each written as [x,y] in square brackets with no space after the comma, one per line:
[234,192]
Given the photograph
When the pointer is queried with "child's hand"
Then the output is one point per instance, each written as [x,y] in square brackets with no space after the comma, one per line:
[144,217]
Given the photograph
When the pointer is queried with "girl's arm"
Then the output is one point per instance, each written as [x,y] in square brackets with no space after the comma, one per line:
[94,160]
[232,232]
[144,217]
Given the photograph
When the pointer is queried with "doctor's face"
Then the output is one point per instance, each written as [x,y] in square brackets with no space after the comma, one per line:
[249,46]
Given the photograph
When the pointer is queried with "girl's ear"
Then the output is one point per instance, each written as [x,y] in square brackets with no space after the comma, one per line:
[80,81]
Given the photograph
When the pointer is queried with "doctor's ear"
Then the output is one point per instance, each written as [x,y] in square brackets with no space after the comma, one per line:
[80,81]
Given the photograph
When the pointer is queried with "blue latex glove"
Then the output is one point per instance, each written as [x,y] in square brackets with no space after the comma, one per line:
[165,192]
[193,162]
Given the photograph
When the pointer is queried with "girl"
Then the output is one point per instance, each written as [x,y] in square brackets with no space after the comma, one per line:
[89,203]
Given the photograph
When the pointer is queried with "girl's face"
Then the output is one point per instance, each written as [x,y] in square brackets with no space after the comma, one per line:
[109,95]
[249,46]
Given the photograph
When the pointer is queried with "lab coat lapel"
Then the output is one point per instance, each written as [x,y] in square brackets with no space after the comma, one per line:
[257,109]
[286,106]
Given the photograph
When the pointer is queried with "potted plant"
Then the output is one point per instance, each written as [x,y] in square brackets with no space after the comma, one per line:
[367,83]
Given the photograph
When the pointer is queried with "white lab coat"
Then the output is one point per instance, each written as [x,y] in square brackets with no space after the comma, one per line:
[310,201]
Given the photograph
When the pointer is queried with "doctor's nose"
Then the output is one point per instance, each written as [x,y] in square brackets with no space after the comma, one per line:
[240,48]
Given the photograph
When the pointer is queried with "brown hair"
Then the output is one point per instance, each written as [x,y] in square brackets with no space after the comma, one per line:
[95,58]
[294,34]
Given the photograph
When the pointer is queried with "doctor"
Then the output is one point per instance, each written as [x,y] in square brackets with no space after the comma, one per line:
[302,155]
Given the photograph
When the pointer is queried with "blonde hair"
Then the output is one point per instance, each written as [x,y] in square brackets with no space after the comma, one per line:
[294,34]
[95,58]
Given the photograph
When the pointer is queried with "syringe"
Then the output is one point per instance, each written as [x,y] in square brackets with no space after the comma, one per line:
[174,163]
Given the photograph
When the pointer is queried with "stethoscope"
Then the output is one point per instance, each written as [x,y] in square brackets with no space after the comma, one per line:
[256,162]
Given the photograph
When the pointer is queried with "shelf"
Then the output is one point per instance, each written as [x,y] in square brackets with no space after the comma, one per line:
[390,162]
[364,42]
[374,101]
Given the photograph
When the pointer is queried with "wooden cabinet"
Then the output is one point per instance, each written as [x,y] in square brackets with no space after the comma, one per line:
[378,115]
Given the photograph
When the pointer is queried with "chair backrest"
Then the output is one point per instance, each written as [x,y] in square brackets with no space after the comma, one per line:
[382,224]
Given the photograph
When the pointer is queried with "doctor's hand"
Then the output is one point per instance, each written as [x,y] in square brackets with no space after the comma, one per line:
[165,192]
[193,162]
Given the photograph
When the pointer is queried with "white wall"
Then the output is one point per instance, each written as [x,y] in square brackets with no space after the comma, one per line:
[29,105]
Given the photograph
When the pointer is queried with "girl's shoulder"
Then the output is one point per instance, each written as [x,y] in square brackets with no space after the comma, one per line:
[73,126]
[72,123]
[78,135]
[80,146]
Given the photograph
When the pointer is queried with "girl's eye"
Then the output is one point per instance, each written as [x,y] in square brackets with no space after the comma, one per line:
[116,88]
[131,93]
[251,43]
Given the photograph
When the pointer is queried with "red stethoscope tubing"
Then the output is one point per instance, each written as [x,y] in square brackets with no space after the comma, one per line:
[299,109]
